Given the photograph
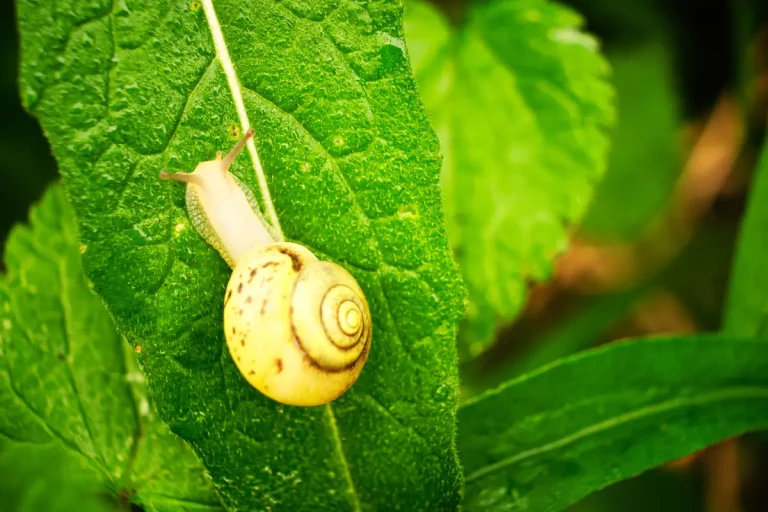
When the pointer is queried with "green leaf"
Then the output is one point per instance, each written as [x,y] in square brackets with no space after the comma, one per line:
[49,478]
[551,437]
[582,328]
[68,383]
[126,89]
[645,159]
[745,313]
[519,98]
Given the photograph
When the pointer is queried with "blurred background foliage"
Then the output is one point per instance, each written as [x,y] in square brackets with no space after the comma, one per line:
[653,254]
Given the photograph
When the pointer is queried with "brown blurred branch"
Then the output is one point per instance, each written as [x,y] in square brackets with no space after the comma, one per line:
[590,268]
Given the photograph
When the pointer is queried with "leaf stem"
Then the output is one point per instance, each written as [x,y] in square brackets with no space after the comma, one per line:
[237,97]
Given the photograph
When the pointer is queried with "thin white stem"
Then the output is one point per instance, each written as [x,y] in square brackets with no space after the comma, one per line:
[237,97]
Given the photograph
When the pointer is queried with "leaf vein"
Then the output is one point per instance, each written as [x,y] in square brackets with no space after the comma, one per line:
[334,162]
[345,464]
[66,308]
[394,418]
[50,430]
[737,393]
[65,41]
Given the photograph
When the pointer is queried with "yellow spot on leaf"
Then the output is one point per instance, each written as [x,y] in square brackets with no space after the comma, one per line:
[234,131]
[408,211]
[532,15]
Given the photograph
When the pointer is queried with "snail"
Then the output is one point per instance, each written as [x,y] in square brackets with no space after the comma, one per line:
[299,329]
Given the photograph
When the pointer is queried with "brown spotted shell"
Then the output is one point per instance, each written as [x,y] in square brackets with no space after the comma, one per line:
[299,329]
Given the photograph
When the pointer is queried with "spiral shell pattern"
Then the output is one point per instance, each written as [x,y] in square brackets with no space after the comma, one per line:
[299,329]
[337,311]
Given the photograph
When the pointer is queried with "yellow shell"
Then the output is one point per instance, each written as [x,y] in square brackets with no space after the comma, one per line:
[299,329]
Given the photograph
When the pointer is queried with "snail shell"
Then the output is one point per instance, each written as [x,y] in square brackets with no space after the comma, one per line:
[299,329]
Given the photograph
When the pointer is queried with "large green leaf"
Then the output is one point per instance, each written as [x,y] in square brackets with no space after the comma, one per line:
[549,438]
[126,89]
[69,388]
[745,314]
[519,98]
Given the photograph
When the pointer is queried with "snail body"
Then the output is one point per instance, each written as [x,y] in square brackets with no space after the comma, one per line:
[299,329]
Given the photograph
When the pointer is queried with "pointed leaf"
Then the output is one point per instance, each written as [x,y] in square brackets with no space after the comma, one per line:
[549,438]
[68,383]
[745,313]
[127,89]
[519,98]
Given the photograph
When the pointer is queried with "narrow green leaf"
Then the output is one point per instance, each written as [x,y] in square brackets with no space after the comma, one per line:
[551,437]
[519,98]
[67,381]
[126,89]
[745,313]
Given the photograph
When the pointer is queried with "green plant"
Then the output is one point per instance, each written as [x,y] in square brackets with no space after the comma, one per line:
[520,105]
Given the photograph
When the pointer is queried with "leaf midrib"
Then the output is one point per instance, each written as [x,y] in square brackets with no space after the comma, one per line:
[342,456]
[235,92]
